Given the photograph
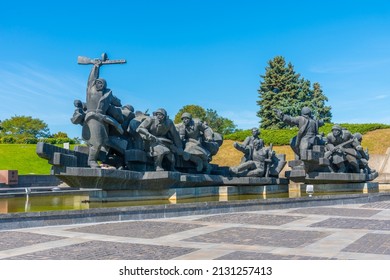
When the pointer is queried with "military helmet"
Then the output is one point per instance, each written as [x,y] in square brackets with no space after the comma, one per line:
[336,127]
[161,111]
[102,81]
[358,136]
[305,111]
[186,115]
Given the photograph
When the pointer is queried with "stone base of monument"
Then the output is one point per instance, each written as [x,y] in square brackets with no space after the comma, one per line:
[328,178]
[132,185]
[384,181]
[297,189]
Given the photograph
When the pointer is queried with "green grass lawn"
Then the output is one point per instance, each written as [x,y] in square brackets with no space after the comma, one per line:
[22,157]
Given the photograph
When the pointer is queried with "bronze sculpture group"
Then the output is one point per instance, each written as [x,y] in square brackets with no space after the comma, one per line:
[118,136]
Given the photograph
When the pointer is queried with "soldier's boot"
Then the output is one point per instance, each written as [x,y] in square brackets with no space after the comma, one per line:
[172,161]
[92,158]
[355,167]
[158,163]
[341,168]
[198,163]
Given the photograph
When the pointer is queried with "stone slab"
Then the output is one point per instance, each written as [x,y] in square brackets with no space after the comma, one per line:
[113,179]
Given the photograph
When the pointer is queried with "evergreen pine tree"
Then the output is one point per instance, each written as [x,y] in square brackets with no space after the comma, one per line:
[278,90]
[318,100]
[282,88]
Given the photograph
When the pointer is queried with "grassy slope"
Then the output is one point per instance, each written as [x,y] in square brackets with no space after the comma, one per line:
[377,142]
[24,159]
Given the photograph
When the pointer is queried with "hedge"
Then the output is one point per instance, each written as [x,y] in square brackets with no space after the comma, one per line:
[282,136]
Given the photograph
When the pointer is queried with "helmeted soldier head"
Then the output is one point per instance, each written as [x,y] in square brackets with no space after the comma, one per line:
[186,115]
[160,114]
[100,84]
[306,111]
[255,132]
[186,118]
[336,130]
[358,136]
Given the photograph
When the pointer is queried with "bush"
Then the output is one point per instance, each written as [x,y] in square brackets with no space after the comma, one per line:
[283,136]
[27,140]
[8,140]
[353,128]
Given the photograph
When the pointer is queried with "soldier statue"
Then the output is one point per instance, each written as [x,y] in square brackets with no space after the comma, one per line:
[307,135]
[245,147]
[194,133]
[258,163]
[160,134]
[101,110]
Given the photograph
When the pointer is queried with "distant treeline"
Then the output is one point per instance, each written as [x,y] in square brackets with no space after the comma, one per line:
[280,137]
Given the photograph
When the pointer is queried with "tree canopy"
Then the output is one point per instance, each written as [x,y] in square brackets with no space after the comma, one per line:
[21,127]
[284,89]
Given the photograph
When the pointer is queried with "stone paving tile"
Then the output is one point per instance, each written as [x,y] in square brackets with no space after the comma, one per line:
[98,250]
[15,239]
[378,205]
[250,218]
[335,211]
[240,255]
[137,229]
[263,237]
[350,223]
[371,243]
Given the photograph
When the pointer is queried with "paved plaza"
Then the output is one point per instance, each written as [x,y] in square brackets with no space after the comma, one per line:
[341,232]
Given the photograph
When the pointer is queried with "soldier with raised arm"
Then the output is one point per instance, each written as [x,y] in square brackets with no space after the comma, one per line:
[247,144]
[258,161]
[102,109]
[308,130]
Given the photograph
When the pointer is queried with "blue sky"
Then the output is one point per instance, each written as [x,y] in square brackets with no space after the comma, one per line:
[208,53]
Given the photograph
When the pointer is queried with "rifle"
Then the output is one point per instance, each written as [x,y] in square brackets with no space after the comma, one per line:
[103,60]
[329,153]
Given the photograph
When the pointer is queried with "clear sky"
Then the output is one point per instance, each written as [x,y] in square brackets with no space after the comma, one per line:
[202,52]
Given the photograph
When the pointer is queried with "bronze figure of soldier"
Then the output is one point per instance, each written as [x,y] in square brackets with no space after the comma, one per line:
[341,146]
[194,133]
[103,109]
[307,135]
[259,159]
[245,147]
[160,133]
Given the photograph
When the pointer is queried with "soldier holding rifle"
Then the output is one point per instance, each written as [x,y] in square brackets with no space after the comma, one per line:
[341,146]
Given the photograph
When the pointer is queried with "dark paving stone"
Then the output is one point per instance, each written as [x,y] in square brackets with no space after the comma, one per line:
[378,205]
[264,237]
[240,255]
[97,250]
[250,218]
[350,223]
[137,229]
[371,243]
[15,239]
[329,211]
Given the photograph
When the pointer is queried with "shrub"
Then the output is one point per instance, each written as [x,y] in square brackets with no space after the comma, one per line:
[8,140]
[27,140]
[283,136]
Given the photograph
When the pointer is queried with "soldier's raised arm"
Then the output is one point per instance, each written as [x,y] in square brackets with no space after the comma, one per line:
[94,72]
